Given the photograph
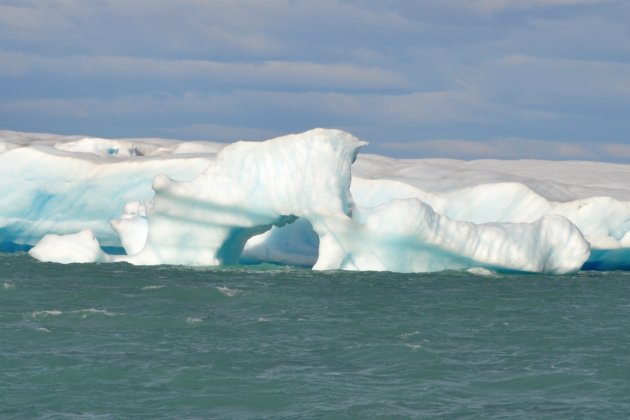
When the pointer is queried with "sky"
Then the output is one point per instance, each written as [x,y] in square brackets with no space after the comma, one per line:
[547,79]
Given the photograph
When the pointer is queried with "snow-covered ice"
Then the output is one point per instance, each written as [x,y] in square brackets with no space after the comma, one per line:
[306,199]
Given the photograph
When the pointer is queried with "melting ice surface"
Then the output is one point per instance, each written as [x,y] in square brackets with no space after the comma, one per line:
[306,199]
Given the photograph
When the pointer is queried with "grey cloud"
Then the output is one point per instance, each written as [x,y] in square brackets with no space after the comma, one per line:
[219,28]
[219,132]
[269,74]
[616,151]
[368,114]
[510,148]
[592,37]
[409,108]
[388,70]
[489,8]
[569,86]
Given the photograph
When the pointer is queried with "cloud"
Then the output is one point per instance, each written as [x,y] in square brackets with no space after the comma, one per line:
[509,148]
[220,29]
[47,107]
[270,74]
[561,76]
[264,114]
[617,151]
[591,37]
[388,70]
[491,7]
[429,107]
[497,5]
[220,132]
[255,115]
[568,89]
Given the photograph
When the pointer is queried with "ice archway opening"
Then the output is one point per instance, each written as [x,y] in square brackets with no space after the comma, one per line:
[295,243]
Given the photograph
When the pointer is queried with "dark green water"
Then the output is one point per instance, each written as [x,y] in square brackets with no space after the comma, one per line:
[117,341]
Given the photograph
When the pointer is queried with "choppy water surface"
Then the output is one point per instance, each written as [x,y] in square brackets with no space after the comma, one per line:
[117,341]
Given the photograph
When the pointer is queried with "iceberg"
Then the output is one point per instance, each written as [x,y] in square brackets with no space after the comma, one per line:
[56,184]
[307,199]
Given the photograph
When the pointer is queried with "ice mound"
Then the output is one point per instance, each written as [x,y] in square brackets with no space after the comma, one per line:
[407,235]
[81,247]
[104,147]
[300,200]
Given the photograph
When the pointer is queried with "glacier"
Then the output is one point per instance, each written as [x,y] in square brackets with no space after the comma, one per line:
[308,199]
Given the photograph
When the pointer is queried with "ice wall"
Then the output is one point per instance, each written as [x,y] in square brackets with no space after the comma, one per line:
[295,200]
[54,184]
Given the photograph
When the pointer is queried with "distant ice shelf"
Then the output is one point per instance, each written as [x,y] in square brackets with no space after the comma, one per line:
[306,199]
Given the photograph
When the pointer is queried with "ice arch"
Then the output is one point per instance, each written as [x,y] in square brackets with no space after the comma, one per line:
[249,188]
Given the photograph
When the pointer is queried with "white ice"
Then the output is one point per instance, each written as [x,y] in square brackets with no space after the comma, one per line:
[300,200]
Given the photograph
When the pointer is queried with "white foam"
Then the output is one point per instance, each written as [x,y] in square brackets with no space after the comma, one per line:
[87,311]
[228,292]
[83,312]
[193,320]
[153,287]
[407,335]
[481,271]
[43,314]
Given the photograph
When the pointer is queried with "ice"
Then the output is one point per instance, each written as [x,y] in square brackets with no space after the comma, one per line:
[249,188]
[603,220]
[132,227]
[79,247]
[53,184]
[407,235]
[293,244]
[300,200]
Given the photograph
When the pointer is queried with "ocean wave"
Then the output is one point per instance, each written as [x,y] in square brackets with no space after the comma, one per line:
[83,312]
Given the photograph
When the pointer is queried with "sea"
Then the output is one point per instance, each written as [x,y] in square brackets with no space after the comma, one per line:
[115,341]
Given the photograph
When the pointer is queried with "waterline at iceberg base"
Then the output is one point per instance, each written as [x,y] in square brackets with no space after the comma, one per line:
[306,199]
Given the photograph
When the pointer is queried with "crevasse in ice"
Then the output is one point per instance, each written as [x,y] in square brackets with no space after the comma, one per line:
[299,199]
